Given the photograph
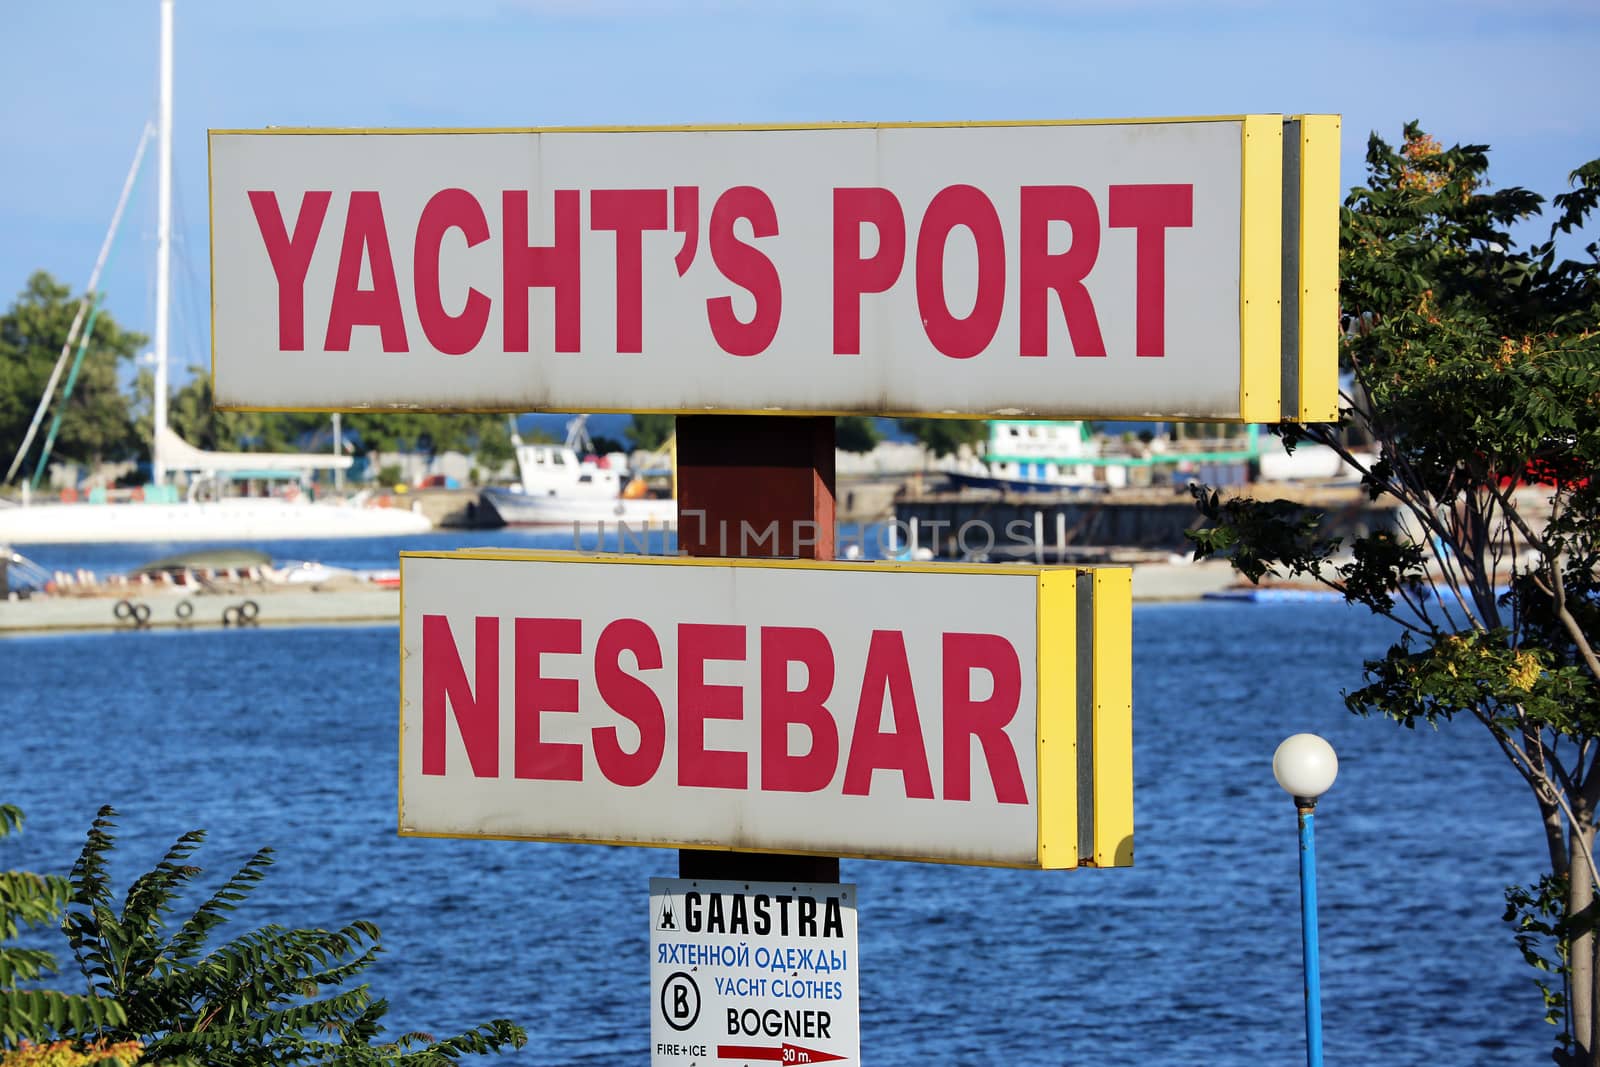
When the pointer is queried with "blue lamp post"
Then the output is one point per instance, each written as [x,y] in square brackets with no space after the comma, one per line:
[1305,766]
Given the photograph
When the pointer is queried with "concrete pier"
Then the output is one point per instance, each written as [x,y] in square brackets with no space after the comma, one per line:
[176,611]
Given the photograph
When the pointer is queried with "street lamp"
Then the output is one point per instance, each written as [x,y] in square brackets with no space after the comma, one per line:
[1305,766]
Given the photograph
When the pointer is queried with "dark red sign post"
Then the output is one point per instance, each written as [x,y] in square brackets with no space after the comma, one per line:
[756,485]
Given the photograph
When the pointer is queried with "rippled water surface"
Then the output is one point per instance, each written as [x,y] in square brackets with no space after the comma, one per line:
[288,739]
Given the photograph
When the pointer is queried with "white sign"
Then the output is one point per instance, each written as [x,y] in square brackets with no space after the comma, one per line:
[908,712]
[1121,269]
[746,974]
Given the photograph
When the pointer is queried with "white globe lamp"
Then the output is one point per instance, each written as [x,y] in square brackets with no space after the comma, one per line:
[1305,766]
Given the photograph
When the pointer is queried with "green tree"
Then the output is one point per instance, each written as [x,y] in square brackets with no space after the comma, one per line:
[856,433]
[494,448]
[407,431]
[650,432]
[944,437]
[853,433]
[1476,370]
[96,424]
[268,997]
[28,1013]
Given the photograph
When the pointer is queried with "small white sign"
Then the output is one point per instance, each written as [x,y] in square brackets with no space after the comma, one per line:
[745,974]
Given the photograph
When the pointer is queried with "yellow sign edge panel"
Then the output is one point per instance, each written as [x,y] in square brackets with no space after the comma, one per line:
[1057,683]
[1056,592]
[729,127]
[1261,269]
[1113,717]
[1319,269]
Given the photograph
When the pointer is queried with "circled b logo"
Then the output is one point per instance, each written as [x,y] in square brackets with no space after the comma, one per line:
[680,1001]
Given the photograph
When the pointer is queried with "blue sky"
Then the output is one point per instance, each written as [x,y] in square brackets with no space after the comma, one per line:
[80,81]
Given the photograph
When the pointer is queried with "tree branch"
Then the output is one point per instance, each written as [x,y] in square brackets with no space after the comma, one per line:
[1533,774]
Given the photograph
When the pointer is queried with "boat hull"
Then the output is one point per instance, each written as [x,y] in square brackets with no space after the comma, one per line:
[527,509]
[964,480]
[242,519]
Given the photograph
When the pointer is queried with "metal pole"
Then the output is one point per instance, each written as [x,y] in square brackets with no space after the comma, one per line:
[338,450]
[158,407]
[1308,932]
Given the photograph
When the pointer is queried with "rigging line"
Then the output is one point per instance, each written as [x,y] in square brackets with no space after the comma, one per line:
[188,296]
[66,395]
[83,305]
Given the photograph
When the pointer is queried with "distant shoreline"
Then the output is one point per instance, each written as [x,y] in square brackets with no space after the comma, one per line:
[1152,583]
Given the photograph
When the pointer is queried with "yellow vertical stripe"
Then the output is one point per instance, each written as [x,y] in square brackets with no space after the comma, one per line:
[1058,719]
[400,792]
[1319,270]
[1261,270]
[1113,717]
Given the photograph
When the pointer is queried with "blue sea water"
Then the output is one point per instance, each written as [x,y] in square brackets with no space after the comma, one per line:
[288,738]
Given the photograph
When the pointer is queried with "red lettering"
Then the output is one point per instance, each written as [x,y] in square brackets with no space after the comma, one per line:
[365,237]
[448,209]
[986,720]
[631,698]
[853,275]
[782,707]
[686,223]
[537,694]
[1063,272]
[445,682]
[887,675]
[629,212]
[952,206]
[290,258]
[547,266]
[697,702]
[1150,210]
[744,265]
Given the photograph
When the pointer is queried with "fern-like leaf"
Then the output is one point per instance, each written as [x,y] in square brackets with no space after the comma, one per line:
[191,938]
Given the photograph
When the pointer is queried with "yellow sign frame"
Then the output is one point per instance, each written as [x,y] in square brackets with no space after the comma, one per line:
[1284,375]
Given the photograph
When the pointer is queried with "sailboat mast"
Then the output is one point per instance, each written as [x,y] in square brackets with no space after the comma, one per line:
[158,411]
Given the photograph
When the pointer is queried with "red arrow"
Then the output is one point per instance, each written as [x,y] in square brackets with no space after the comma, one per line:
[784,1053]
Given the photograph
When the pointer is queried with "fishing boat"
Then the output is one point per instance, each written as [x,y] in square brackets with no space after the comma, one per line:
[205,512]
[1033,456]
[560,485]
